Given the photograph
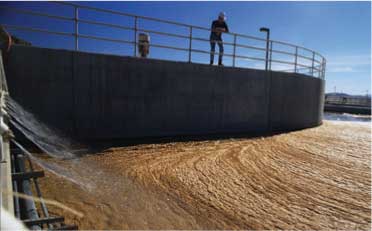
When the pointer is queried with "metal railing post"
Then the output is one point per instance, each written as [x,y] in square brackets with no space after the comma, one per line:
[312,65]
[135,35]
[76,20]
[271,54]
[190,43]
[295,67]
[267,31]
[320,68]
[267,52]
[323,68]
[234,50]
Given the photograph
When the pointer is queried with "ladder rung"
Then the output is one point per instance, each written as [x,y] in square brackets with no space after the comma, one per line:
[27,175]
[44,220]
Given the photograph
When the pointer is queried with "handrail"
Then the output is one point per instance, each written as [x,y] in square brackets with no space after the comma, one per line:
[293,51]
[22,11]
[149,18]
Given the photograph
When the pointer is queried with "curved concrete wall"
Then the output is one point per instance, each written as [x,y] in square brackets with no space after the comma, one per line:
[94,96]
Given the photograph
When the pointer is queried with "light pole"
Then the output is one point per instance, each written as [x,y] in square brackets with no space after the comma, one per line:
[267,30]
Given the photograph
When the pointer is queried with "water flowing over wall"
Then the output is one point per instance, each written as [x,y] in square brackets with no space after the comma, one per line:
[97,97]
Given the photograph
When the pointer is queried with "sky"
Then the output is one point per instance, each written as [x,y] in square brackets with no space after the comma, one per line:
[340,31]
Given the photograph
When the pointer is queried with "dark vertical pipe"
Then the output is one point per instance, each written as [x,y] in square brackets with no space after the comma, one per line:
[17,211]
[29,204]
[38,192]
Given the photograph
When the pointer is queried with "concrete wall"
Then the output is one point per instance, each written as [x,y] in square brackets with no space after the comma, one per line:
[93,96]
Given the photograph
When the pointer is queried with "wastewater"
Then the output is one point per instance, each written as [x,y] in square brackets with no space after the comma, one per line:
[70,169]
[346,117]
[317,178]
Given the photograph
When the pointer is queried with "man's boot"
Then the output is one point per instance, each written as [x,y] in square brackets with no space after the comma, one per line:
[220,61]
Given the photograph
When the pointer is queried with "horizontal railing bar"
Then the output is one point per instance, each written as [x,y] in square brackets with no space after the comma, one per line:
[248,36]
[186,49]
[305,57]
[23,11]
[299,69]
[303,65]
[292,45]
[251,58]
[36,30]
[131,28]
[119,13]
[291,63]
[202,51]
[229,55]
[251,47]
[285,62]
[168,47]
[202,39]
[105,39]
[216,41]
[284,43]
[288,70]
[105,24]
[163,33]
[308,58]
[282,52]
[208,52]
[228,43]
[233,34]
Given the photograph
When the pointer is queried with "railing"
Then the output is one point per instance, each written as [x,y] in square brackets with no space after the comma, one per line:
[295,58]
[348,100]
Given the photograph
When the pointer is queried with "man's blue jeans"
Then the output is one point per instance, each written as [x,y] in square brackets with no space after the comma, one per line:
[213,48]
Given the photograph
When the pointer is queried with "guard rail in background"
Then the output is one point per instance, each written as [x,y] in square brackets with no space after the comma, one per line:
[298,59]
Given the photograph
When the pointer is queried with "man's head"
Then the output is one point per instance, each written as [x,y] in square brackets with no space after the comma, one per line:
[222,16]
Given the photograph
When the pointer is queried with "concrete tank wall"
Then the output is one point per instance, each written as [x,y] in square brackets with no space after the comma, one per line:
[94,96]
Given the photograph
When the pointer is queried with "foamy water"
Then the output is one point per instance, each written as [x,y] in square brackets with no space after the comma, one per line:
[316,179]
[346,117]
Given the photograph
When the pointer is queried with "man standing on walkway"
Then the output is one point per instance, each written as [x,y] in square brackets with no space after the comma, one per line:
[218,27]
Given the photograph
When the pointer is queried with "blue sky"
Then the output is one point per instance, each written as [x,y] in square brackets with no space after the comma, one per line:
[340,31]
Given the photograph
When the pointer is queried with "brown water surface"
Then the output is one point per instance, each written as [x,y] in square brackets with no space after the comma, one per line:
[317,178]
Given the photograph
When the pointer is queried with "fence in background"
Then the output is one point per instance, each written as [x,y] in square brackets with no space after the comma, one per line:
[364,101]
[312,63]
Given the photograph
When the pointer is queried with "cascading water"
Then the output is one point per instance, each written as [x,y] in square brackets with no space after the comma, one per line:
[48,140]
[66,163]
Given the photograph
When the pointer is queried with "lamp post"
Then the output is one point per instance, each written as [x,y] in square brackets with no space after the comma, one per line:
[267,30]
